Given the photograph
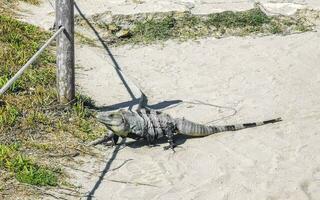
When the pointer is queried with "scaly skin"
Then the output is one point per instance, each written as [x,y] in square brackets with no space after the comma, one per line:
[152,125]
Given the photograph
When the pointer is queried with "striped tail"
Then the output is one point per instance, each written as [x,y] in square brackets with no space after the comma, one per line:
[186,127]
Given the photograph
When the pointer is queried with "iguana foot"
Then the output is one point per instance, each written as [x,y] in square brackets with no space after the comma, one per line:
[112,137]
[98,141]
[170,146]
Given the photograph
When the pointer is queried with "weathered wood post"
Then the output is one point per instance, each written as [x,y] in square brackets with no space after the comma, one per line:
[65,51]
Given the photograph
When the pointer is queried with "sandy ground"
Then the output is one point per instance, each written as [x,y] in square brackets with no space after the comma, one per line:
[44,14]
[260,78]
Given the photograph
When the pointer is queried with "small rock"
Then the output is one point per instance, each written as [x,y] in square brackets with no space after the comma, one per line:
[123,33]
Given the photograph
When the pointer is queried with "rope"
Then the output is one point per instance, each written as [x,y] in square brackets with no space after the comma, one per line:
[216,106]
[198,102]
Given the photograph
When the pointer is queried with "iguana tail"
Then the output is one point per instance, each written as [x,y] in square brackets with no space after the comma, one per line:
[186,127]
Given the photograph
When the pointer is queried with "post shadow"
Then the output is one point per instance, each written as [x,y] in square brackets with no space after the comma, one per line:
[115,63]
[142,101]
[157,106]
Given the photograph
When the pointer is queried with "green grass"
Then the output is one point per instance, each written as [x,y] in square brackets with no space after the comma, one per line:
[152,30]
[25,170]
[153,27]
[229,19]
[9,115]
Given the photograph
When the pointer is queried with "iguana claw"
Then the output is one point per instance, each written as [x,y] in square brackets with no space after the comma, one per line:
[171,146]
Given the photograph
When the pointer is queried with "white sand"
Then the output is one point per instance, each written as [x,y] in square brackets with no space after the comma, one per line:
[261,78]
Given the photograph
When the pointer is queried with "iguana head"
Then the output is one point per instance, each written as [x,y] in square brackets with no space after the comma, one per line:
[116,122]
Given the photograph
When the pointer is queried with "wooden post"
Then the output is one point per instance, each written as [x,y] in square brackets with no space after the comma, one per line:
[65,51]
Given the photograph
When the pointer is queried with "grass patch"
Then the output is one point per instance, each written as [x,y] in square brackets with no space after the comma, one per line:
[229,19]
[30,114]
[148,28]
[32,101]
[25,170]
[152,30]
[19,41]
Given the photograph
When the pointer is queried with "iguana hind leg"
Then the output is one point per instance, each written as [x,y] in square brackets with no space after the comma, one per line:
[171,145]
[170,134]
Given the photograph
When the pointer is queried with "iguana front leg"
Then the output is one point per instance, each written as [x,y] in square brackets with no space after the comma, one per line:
[110,136]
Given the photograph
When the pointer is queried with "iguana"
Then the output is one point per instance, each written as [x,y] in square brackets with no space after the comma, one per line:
[151,125]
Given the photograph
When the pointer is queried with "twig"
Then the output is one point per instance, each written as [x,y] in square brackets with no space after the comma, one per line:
[73,195]
[90,153]
[43,191]
[49,194]
[80,170]
[131,182]
[60,106]
[69,189]
[74,154]
[121,165]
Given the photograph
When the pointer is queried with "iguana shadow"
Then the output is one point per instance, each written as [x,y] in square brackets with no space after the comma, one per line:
[157,106]
[179,140]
